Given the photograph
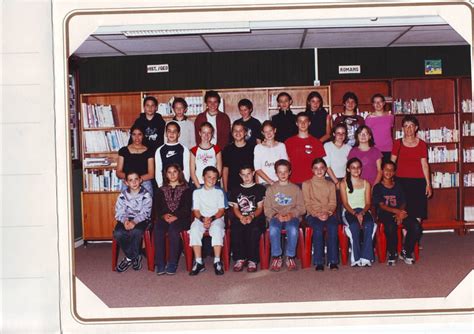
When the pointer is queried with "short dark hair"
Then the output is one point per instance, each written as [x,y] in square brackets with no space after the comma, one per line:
[130,172]
[357,133]
[282,162]
[212,93]
[267,123]
[350,95]
[180,100]
[237,123]
[311,96]
[334,129]
[210,169]
[389,162]
[150,98]
[412,119]
[209,125]
[245,103]
[284,94]
[247,166]
[319,161]
[302,114]
[377,95]
[174,124]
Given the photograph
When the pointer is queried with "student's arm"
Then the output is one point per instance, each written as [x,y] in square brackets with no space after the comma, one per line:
[268,208]
[259,210]
[158,168]
[368,197]
[332,176]
[378,178]
[183,212]
[426,174]
[145,211]
[307,198]
[150,168]
[192,168]
[225,177]
[332,203]
[120,173]
[327,135]
[344,199]
[219,162]
[186,163]
[300,208]
[263,175]
[120,209]
[197,214]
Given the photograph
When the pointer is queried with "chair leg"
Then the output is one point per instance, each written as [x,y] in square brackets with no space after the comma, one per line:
[300,247]
[343,244]
[308,246]
[417,252]
[188,251]
[267,249]
[262,253]
[226,251]
[381,245]
[115,253]
[149,251]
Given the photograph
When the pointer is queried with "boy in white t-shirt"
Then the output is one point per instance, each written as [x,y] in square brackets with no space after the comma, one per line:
[208,210]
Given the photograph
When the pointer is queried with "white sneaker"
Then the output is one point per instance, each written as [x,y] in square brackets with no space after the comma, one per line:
[365,263]
[356,264]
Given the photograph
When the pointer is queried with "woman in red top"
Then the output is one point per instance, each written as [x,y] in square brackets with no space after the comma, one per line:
[411,155]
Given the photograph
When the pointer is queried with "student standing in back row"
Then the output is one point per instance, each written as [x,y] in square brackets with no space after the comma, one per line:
[152,124]
[349,117]
[320,126]
[186,137]
[253,125]
[381,124]
[219,120]
[285,120]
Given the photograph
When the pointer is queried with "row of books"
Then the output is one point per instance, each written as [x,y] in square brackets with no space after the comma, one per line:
[99,162]
[101,180]
[97,116]
[468,154]
[467,106]
[468,179]
[414,106]
[105,141]
[469,213]
[441,135]
[438,154]
[444,180]
[467,128]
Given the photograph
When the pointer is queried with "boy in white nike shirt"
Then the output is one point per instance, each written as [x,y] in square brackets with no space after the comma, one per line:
[171,152]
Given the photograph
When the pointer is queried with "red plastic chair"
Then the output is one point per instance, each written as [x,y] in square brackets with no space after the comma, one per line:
[343,245]
[148,250]
[300,249]
[188,250]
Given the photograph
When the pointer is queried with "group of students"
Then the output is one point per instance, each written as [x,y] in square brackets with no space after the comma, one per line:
[276,174]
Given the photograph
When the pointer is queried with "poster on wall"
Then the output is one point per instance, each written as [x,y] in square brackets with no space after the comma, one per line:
[433,67]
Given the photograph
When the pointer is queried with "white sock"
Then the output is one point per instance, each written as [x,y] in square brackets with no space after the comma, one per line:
[217,259]
[199,260]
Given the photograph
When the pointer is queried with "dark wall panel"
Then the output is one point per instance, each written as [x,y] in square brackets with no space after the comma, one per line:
[196,71]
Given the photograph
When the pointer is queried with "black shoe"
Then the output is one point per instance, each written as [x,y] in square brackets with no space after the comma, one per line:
[219,268]
[320,267]
[137,263]
[171,268]
[197,268]
[333,266]
[392,259]
[124,265]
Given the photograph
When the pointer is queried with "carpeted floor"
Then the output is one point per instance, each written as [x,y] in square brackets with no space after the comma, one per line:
[445,260]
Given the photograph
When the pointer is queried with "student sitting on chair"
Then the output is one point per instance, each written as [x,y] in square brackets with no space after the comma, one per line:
[208,210]
[132,212]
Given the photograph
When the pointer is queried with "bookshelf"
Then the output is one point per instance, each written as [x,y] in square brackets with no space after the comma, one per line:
[100,186]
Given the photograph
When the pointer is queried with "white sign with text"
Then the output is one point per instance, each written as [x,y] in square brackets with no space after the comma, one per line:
[158,68]
[349,69]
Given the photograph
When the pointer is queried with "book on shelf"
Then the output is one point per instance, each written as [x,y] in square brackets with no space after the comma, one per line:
[441,154]
[441,135]
[444,180]
[101,180]
[468,154]
[468,179]
[413,106]
[467,106]
[105,141]
[99,162]
[468,128]
[469,213]
[97,116]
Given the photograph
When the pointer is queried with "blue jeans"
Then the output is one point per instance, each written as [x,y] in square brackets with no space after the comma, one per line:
[318,239]
[352,228]
[291,227]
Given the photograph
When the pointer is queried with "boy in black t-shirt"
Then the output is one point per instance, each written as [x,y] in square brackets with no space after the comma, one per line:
[152,123]
[390,199]
[236,155]
[248,221]
[171,152]
[254,135]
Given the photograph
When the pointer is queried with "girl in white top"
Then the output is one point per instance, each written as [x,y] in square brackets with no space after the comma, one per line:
[180,107]
[205,154]
[356,197]
[336,153]
[267,153]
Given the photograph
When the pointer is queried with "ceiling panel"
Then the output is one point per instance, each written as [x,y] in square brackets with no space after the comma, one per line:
[160,45]
[430,37]
[94,47]
[350,39]
[358,30]
[259,40]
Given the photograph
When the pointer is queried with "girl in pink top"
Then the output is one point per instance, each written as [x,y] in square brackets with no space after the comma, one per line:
[381,124]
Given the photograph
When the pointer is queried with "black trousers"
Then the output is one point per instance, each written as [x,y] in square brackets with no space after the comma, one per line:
[412,227]
[130,241]
[173,230]
[245,239]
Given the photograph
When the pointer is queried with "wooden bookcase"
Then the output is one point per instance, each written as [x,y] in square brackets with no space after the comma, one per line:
[98,206]
[445,94]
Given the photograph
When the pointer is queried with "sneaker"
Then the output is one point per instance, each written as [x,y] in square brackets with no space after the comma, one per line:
[277,262]
[392,259]
[251,267]
[356,264]
[333,266]
[320,267]
[197,268]
[239,265]
[219,268]
[171,268]
[160,270]
[124,265]
[407,259]
[290,263]
[137,263]
[365,263]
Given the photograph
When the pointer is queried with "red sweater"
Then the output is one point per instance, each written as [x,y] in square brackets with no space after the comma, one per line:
[302,152]
[223,128]
[409,159]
